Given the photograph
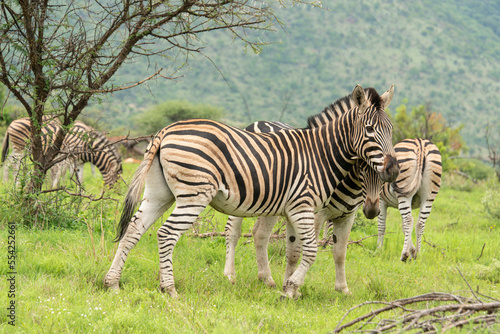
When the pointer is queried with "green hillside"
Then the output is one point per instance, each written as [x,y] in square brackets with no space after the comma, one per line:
[443,52]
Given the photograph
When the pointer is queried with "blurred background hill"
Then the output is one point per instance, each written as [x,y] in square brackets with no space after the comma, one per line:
[443,54]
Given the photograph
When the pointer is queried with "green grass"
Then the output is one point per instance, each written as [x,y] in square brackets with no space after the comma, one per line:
[60,271]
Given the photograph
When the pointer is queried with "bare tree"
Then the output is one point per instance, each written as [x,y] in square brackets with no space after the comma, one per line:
[56,56]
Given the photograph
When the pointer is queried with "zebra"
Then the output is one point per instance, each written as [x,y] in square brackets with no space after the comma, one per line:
[360,184]
[81,144]
[416,187]
[286,173]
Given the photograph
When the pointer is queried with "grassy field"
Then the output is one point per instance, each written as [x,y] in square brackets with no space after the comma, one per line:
[58,285]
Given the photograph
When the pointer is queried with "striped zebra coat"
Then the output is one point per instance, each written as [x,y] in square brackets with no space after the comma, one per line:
[360,184]
[288,173]
[82,144]
[416,187]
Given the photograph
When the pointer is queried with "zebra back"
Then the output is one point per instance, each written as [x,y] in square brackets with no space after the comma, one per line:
[89,145]
[82,143]
[19,134]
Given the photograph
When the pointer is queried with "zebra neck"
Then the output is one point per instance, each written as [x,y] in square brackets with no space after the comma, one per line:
[340,146]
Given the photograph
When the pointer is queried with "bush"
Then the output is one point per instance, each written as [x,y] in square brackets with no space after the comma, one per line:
[169,112]
[476,169]
[491,201]
[71,207]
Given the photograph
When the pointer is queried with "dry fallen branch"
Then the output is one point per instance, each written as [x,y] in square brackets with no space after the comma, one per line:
[461,311]
[223,234]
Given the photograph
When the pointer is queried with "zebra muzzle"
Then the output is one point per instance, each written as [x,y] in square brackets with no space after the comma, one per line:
[390,169]
[371,208]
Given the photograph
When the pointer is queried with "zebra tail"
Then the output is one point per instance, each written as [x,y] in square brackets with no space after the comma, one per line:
[5,146]
[136,188]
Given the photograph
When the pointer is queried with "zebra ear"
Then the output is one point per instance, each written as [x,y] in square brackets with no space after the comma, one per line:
[359,98]
[387,96]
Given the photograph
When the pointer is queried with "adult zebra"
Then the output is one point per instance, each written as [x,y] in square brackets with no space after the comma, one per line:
[81,144]
[361,184]
[416,187]
[286,173]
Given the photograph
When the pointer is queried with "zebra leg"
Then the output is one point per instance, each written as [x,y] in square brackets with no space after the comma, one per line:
[405,211]
[382,216]
[16,167]
[261,233]
[181,219]
[79,172]
[302,221]
[425,211]
[341,230]
[57,171]
[293,250]
[233,233]
[149,211]
[7,166]
[157,199]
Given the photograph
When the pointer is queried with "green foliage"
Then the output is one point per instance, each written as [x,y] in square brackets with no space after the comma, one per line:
[423,123]
[8,112]
[169,112]
[71,208]
[490,273]
[476,169]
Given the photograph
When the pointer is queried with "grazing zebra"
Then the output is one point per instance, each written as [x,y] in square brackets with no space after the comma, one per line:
[82,144]
[288,173]
[360,184]
[416,187]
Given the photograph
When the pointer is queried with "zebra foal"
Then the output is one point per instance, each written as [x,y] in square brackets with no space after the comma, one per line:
[361,184]
[416,187]
[288,173]
[82,144]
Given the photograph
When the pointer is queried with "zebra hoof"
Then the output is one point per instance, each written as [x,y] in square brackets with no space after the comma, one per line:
[343,289]
[268,281]
[291,291]
[231,278]
[112,286]
[170,290]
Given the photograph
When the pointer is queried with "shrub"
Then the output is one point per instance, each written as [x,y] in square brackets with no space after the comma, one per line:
[491,201]
[476,169]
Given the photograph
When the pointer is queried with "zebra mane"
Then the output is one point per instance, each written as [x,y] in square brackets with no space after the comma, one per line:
[341,106]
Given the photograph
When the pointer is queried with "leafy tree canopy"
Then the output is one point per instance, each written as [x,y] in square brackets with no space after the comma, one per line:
[422,122]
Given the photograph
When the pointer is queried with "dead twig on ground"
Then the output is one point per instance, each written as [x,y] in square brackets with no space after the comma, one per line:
[482,250]
[457,312]
[461,311]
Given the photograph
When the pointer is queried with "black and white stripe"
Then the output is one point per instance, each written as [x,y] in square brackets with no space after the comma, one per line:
[359,185]
[416,187]
[82,144]
[288,173]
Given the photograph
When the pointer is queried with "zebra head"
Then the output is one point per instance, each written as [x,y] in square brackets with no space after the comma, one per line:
[373,131]
[371,185]
[105,156]
[113,169]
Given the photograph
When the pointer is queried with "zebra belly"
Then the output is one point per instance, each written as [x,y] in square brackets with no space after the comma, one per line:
[222,204]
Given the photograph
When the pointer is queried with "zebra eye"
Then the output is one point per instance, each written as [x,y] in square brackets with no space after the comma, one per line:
[370,129]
